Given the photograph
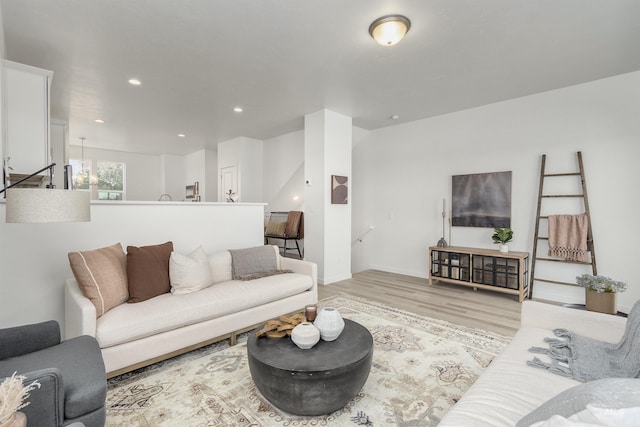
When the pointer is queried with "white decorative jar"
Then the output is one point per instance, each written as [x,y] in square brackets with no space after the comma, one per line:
[305,335]
[330,323]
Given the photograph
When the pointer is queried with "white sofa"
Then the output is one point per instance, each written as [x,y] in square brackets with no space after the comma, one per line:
[134,335]
[509,389]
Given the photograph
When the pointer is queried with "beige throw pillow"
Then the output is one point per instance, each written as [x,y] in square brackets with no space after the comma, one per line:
[275,228]
[102,276]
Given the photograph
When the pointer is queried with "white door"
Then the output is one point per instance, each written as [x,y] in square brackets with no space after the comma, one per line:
[228,181]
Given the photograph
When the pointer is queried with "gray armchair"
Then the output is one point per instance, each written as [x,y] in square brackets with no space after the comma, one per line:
[71,372]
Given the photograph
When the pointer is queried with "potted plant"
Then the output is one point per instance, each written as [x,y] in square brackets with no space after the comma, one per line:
[13,393]
[600,292]
[502,236]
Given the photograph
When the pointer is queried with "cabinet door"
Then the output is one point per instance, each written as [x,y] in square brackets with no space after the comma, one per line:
[26,117]
[439,264]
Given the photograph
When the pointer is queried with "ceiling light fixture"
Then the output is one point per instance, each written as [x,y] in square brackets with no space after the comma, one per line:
[135,82]
[99,121]
[181,135]
[394,117]
[389,29]
[238,109]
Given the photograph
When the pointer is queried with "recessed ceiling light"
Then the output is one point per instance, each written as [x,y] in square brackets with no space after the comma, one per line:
[394,117]
[238,109]
[99,121]
[135,82]
[181,135]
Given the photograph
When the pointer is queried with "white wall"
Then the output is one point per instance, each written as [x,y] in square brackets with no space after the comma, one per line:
[33,257]
[59,137]
[2,56]
[246,155]
[328,142]
[144,173]
[250,168]
[173,178]
[195,170]
[211,176]
[401,174]
[283,172]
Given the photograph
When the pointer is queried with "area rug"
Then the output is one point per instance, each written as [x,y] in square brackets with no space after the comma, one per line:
[421,367]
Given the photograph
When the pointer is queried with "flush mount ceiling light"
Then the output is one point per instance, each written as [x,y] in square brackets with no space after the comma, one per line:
[389,29]
[238,109]
[181,135]
[135,82]
[99,121]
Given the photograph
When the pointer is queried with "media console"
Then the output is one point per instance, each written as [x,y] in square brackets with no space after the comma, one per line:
[506,272]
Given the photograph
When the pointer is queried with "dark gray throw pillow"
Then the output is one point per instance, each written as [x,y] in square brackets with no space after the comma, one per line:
[612,393]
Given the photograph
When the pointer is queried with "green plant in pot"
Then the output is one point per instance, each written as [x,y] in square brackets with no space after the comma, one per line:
[600,292]
[502,236]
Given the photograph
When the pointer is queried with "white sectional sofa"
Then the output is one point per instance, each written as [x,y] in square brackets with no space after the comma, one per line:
[134,335]
[509,389]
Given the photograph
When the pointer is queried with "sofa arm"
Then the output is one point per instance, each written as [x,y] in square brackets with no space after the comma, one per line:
[301,267]
[79,312]
[46,404]
[599,326]
[25,339]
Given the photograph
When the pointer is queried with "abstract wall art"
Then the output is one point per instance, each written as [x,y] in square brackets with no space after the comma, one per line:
[339,190]
[481,200]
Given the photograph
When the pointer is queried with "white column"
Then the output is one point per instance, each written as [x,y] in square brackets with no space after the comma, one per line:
[328,142]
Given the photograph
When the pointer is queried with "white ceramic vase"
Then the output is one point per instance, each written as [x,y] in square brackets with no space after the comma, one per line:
[330,323]
[305,335]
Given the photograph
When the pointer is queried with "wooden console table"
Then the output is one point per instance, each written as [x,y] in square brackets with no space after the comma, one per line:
[481,268]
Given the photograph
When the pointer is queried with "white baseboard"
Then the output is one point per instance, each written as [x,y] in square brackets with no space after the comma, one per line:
[412,273]
[334,279]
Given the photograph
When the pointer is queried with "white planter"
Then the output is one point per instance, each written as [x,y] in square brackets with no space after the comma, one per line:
[305,335]
[503,248]
[330,323]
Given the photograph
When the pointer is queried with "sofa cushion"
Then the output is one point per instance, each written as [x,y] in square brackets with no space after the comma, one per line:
[259,259]
[102,276]
[148,271]
[508,389]
[220,266]
[129,322]
[610,393]
[189,273]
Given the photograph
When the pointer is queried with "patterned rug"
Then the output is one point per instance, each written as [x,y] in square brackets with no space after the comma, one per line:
[421,367]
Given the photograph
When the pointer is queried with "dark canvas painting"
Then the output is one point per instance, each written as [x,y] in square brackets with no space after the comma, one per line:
[481,200]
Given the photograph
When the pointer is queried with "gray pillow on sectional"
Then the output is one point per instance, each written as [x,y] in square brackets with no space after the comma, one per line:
[614,393]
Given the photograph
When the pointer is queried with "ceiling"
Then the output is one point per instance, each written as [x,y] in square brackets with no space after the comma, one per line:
[282,59]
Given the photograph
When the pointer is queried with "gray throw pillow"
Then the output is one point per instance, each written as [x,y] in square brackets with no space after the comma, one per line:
[613,393]
[260,259]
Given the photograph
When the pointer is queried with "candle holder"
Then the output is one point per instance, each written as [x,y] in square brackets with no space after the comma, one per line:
[310,312]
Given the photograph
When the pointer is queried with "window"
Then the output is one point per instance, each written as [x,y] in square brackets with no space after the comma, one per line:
[111,177]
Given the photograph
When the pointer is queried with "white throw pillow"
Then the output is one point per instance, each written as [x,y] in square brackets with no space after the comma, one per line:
[220,266]
[189,273]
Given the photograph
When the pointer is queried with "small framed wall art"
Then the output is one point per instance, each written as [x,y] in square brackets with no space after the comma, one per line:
[339,190]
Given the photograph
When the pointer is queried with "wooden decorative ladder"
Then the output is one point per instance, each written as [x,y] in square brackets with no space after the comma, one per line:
[537,237]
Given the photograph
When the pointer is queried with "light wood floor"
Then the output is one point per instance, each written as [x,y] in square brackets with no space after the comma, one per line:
[491,311]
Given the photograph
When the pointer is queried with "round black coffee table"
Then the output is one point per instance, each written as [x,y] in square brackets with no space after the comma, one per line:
[317,381]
